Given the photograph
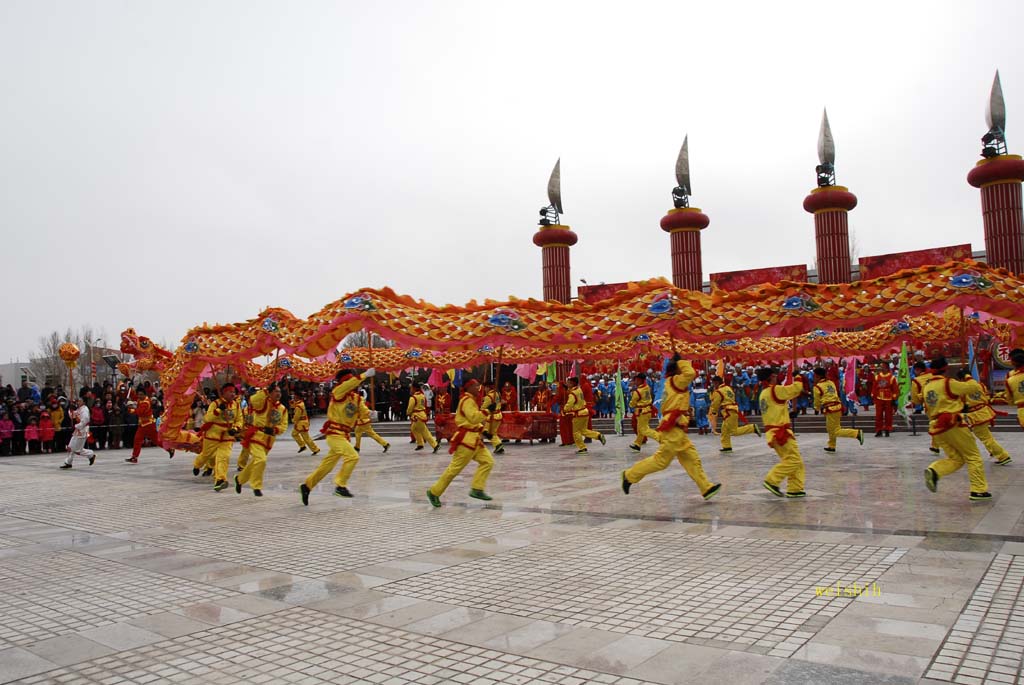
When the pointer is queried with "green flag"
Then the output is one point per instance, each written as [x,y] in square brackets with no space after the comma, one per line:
[903,379]
[552,372]
[620,402]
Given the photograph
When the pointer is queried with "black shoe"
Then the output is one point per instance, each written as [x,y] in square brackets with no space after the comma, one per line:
[878,434]
[220,485]
[304,491]
[412,441]
[774,489]
[712,491]
[170,454]
[92,460]
[356,449]
[626,485]
[195,472]
[480,494]
[725,449]
[1001,462]
[887,434]
[418,448]
[931,479]
[342,492]
[65,466]
[500,449]
[934,450]
[257,493]
[386,446]
[238,486]
[797,494]
[303,449]
[981,496]
[434,499]
[437,446]
[830,449]
[635,448]
[207,472]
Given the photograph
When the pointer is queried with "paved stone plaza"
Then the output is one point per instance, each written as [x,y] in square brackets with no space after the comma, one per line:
[142,574]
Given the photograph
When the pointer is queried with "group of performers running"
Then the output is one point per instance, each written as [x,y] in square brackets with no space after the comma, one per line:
[959,411]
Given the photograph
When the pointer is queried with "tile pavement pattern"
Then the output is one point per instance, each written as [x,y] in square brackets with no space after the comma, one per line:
[46,595]
[312,648]
[987,641]
[320,544]
[749,594]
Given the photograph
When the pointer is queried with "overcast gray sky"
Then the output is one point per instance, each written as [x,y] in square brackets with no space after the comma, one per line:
[168,163]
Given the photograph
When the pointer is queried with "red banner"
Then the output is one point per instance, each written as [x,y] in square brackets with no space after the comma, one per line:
[595,293]
[738,280]
[885,264]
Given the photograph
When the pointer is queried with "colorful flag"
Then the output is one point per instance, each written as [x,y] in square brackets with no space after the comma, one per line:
[552,372]
[903,380]
[972,361]
[620,401]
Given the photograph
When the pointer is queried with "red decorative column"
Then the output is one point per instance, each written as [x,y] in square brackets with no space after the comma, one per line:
[554,242]
[684,226]
[830,206]
[999,179]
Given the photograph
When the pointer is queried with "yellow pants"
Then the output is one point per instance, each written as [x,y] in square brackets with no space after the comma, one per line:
[960,448]
[422,434]
[303,440]
[492,428]
[243,457]
[221,460]
[207,455]
[580,431]
[644,430]
[463,455]
[338,447]
[1020,416]
[675,444]
[790,466]
[833,425]
[253,471]
[367,429]
[730,427]
[984,434]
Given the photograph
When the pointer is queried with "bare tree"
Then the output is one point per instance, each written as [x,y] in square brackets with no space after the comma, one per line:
[360,338]
[51,367]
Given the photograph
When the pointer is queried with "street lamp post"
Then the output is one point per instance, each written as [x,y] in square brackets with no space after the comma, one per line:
[92,360]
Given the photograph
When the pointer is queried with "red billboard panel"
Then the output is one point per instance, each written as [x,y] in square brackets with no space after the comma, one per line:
[885,264]
[595,293]
[738,280]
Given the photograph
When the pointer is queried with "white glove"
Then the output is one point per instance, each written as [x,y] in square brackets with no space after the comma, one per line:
[369,373]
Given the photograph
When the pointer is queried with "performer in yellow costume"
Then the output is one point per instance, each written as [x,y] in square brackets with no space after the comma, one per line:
[576,408]
[467,444]
[417,411]
[1014,384]
[270,419]
[222,422]
[921,376]
[774,405]
[723,398]
[643,409]
[300,426]
[365,427]
[248,431]
[827,402]
[980,417]
[492,405]
[342,414]
[944,401]
[674,425]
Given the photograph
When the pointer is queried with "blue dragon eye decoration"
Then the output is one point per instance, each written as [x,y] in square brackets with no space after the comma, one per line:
[900,327]
[345,357]
[661,305]
[816,334]
[728,343]
[191,347]
[284,363]
[643,337]
[485,349]
[270,325]
[413,354]
[507,319]
[800,303]
[361,302]
[970,279]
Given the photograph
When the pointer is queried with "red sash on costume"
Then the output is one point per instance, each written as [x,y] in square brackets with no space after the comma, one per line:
[335,428]
[247,436]
[945,421]
[460,437]
[779,434]
[668,421]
